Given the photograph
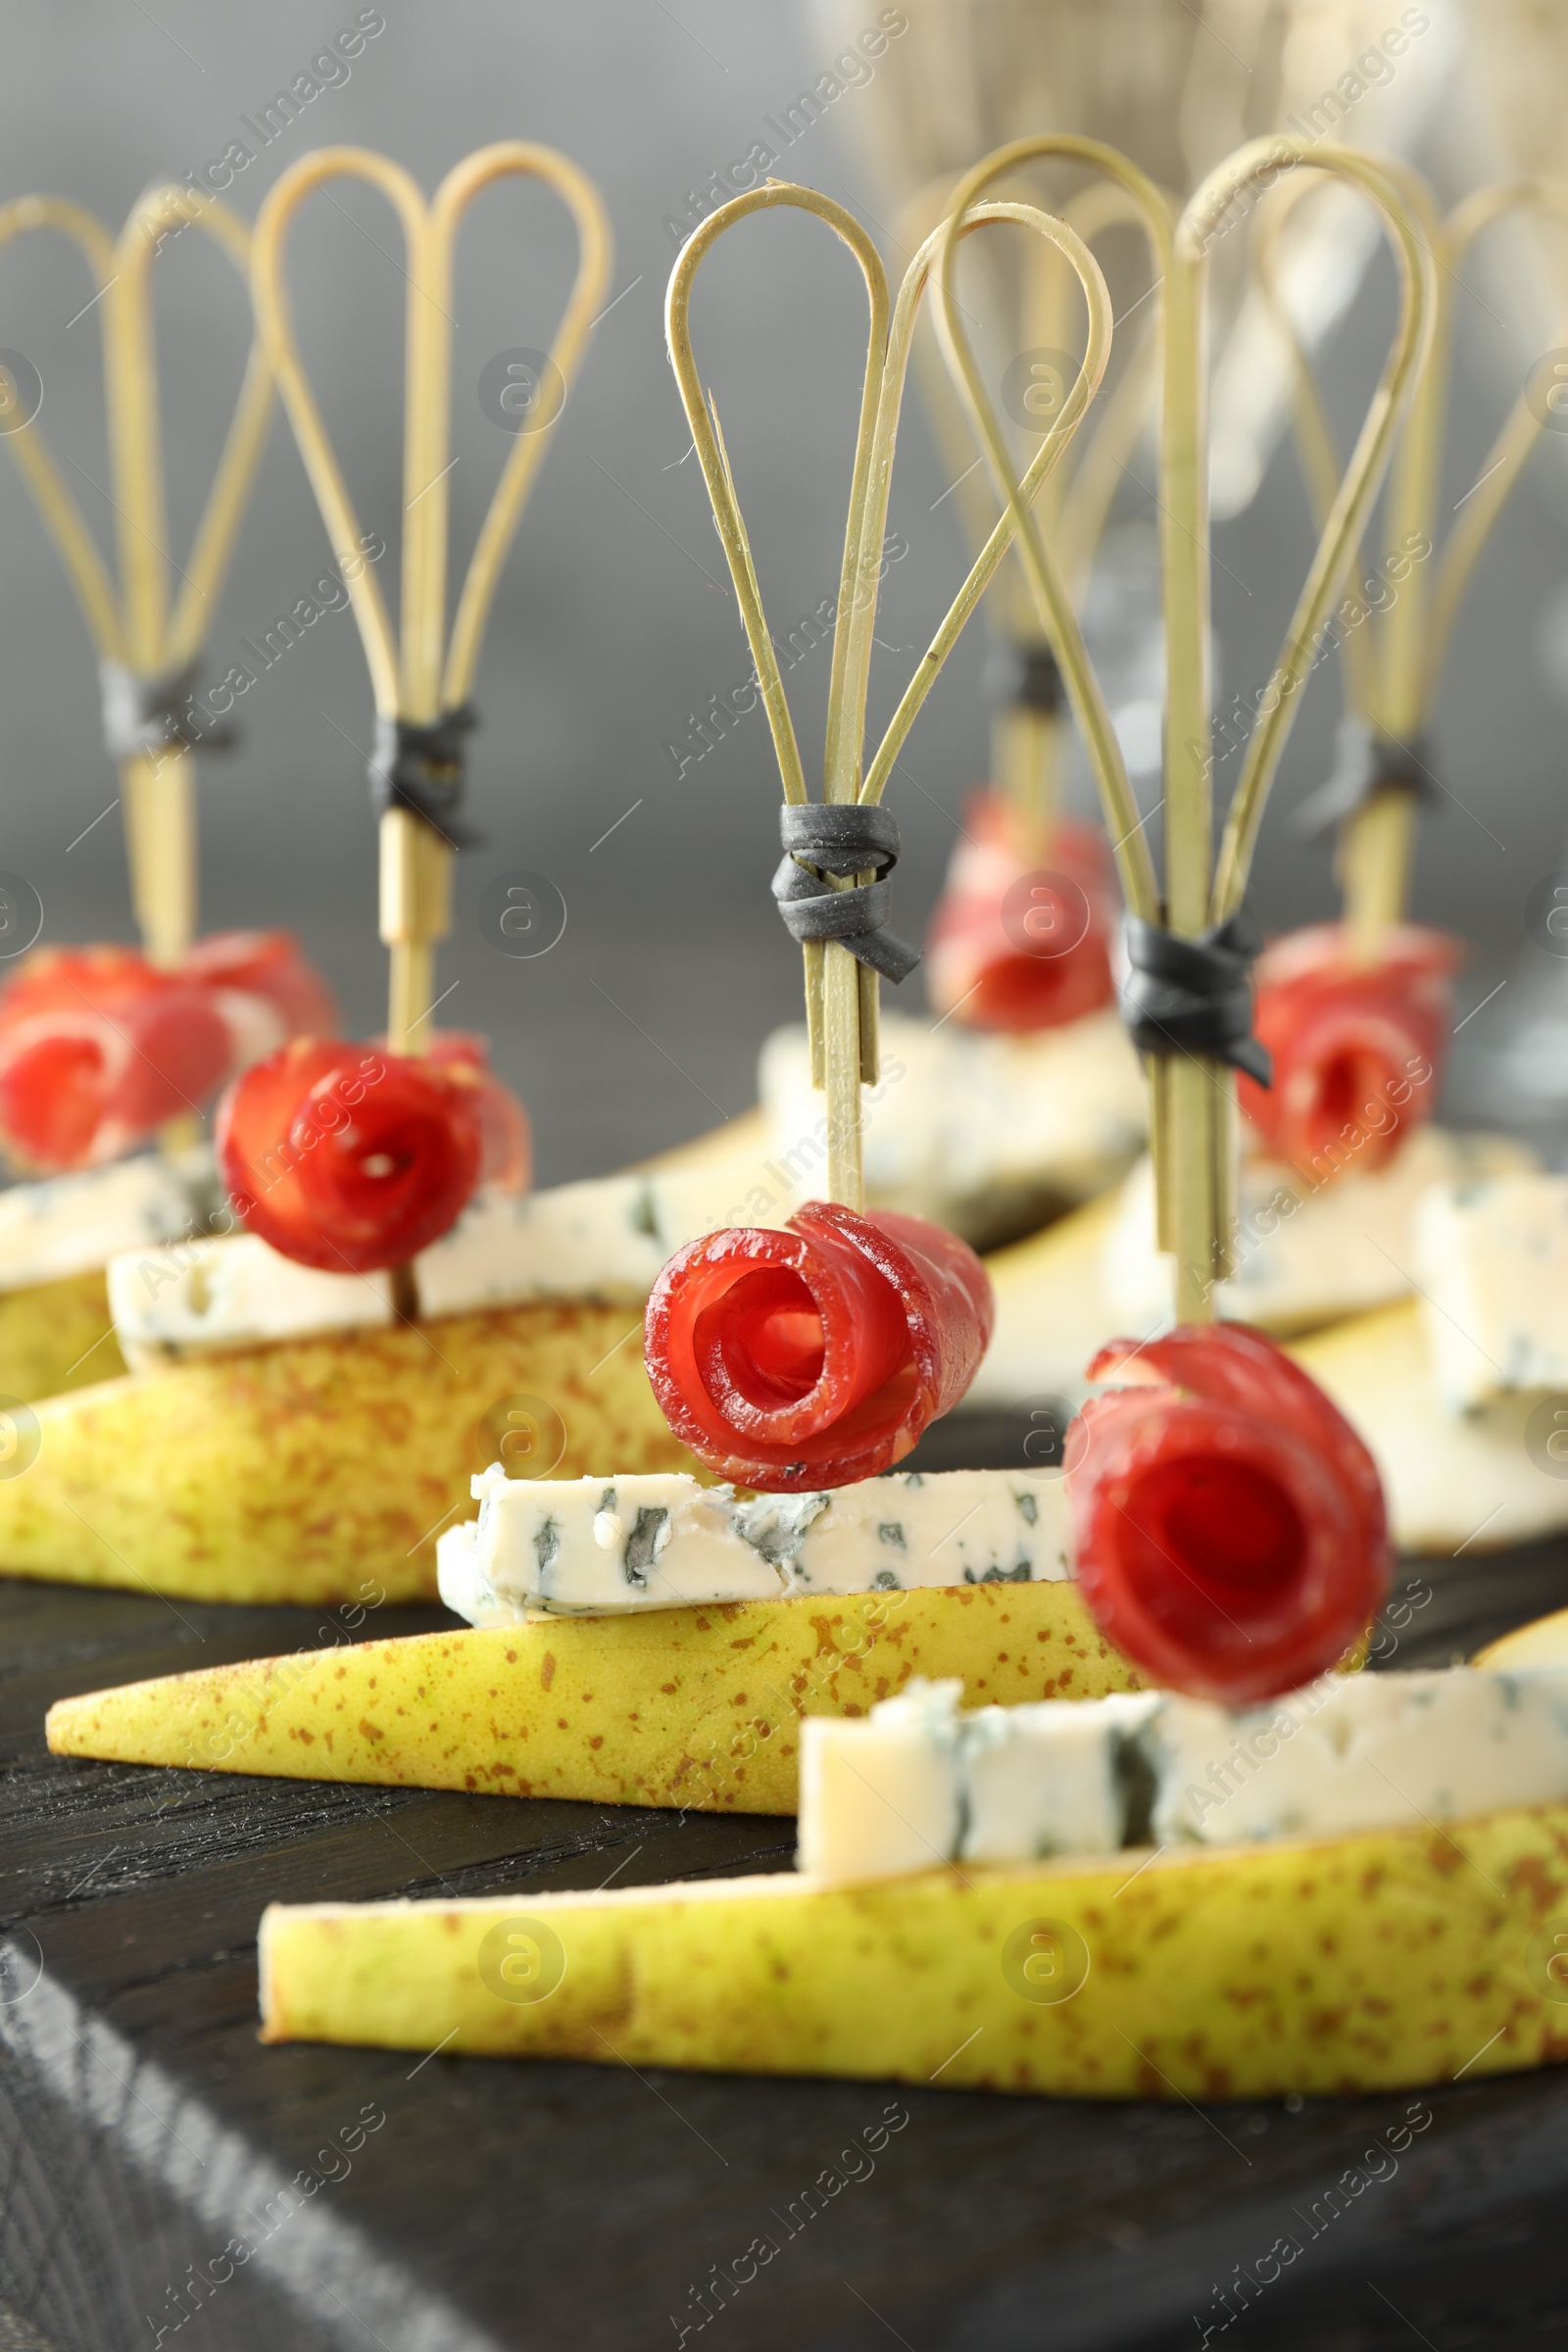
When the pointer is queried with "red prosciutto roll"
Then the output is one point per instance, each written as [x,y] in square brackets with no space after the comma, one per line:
[97,1049]
[814,1355]
[348,1158]
[1230,1526]
[1357,1049]
[505,1139]
[269,972]
[1019,947]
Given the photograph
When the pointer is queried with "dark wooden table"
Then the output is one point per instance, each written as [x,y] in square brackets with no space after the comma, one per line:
[146,2139]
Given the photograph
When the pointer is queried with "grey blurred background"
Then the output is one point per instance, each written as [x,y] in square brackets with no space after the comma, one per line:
[615,621]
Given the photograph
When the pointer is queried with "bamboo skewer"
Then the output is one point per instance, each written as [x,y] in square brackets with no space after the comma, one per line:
[841,996]
[1026,744]
[420,675]
[134,627]
[1392,679]
[1193,1096]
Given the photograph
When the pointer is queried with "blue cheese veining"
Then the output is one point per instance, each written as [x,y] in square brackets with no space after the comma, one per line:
[1492,1263]
[663,1541]
[918,1784]
[64,1225]
[605,1240]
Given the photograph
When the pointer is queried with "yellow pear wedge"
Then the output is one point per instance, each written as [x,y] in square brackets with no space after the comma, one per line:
[1453,1481]
[691,1706]
[1052,1310]
[1377,1962]
[1541,1643]
[311,1470]
[56,1336]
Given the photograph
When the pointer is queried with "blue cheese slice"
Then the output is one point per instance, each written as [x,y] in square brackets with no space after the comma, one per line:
[1450,1484]
[606,1239]
[658,1540]
[597,1239]
[1307,1253]
[979,1132]
[1492,1258]
[888,1803]
[71,1224]
[1362,1751]
[916,1783]
[1307,1257]
[201,1297]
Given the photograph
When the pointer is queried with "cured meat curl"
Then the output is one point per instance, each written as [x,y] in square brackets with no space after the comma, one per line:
[270,970]
[506,1141]
[349,1158]
[1357,1049]
[98,1048]
[814,1355]
[1230,1526]
[1018,946]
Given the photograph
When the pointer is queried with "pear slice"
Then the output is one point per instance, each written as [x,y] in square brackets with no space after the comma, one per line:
[312,1470]
[1053,1309]
[56,1336]
[693,1706]
[1453,1481]
[1382,1961]
[1541,1643]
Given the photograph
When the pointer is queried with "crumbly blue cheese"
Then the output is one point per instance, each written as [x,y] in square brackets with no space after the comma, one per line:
[1451,1484]
[1362,1751]
[1305,1258]
[1018,1783]
[202,1297]
[596,1240]
[971,1129]
[70,1224]
[660,1540]
[1306,1255]
[1492,1259]
[606,1239]
[889,1802]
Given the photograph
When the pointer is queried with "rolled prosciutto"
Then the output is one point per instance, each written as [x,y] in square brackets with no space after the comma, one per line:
[1357,1049]
[1230,1525]
[1015,945]
[814,1355]
[349,1158]
[98,1048]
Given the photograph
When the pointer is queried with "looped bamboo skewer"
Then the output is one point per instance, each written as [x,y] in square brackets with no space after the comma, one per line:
[134,625]
[1511,452]
[1192,1098]
[1075,500]
[1313,434]
[841,995]
[412,677]
[1392,679]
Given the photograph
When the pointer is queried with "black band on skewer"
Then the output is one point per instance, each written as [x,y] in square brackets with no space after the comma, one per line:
[420,769]
[142,716]
[843,836]
[1025,677]
[1194,995]
[1366,765]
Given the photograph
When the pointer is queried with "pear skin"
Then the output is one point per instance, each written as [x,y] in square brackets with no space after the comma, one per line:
[1453,1481]
[693,1707]
[1379,1962]
[315,1469]
[56,1336]
[1544,1642]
